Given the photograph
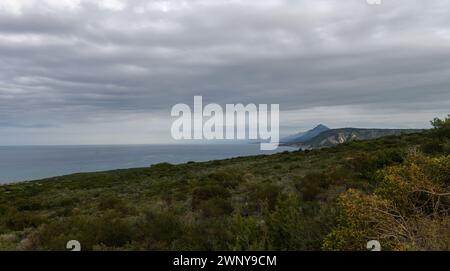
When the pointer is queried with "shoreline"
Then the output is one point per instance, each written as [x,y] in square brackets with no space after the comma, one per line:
[106,170]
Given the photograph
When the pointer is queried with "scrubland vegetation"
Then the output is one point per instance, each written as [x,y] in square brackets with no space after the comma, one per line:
[394,189]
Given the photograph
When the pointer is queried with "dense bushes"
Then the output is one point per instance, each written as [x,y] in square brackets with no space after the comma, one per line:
[292,225]
[108,229]
[441,127]
[440,141]
[312,185]
[158,230]
[409,210]
[215,207]
[367,164]
[286,225]
[212,201]
[207,192]
[225,179]
[260,196]
[16,220]
[433,147]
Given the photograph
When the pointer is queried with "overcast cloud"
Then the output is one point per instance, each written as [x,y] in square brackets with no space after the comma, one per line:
[90,72]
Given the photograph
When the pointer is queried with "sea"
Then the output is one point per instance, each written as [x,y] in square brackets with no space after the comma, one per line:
[24,163]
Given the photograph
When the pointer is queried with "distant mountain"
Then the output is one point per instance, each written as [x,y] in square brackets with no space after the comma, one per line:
[333,137]
[304,136]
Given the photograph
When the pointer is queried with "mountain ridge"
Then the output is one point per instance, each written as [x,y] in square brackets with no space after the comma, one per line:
[333,137]
[304,136]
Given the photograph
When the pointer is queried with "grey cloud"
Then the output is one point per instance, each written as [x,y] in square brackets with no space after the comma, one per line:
[61,65]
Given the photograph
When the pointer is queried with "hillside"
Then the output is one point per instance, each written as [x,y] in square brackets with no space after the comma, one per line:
[333,137]
[287,201]
[304,136]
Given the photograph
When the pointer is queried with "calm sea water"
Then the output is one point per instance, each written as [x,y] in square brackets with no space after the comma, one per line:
[19,163]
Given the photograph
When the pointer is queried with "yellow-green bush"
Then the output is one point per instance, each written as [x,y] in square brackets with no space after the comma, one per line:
[408,211]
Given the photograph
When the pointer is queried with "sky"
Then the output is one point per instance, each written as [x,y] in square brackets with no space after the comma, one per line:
[109,71]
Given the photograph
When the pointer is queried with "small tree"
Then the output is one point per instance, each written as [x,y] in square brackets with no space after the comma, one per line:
[441,128]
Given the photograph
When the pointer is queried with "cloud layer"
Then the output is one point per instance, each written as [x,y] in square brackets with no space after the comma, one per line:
[87,72]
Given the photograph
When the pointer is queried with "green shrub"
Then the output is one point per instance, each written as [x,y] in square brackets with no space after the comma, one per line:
[224,178]
[28,205]
[113,231]
[216,207]
[441,128]
[111,202]
[108,229]
[249,234]
[158,230]
[208,192]
[368,164]
[289,228]
[208,235]
[433,147]
[312,185]
[263,195]
[20,220]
